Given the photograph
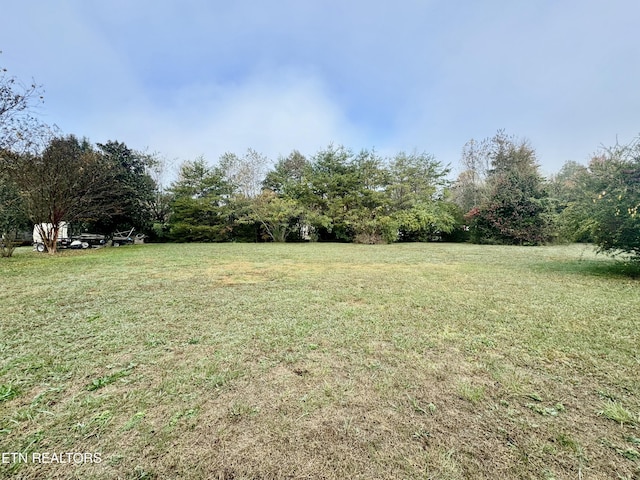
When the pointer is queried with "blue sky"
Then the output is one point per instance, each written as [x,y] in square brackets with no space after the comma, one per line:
[196,77]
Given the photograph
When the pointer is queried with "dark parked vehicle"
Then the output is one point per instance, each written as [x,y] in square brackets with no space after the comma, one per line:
[86,240]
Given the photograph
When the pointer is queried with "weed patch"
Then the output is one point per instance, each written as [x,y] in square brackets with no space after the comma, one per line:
[7,392]
[613,410]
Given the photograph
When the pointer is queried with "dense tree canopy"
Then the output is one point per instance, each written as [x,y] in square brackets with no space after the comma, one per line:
[603,203]
[513,208]
[69,182]
[337,195]
[333,195]
[288,175]
[200,204]
[132,190]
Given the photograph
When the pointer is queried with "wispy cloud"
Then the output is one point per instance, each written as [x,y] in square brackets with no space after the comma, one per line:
[201,77]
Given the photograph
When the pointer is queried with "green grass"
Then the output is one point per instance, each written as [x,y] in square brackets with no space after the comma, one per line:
[246,361]
[618,413]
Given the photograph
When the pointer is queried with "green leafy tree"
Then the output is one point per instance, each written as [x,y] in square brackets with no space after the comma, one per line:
[427,221]
[291,180]
[200,205]
[289,175]
[333,183]
[365,198]
[133,189]
[369,216]
[278,216]
[609,210]
[566,190]
[70,182]
[415,178]
[416,194]
[516,209]
[349,192]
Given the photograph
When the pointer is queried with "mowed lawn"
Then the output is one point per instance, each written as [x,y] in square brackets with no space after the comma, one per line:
[261,361]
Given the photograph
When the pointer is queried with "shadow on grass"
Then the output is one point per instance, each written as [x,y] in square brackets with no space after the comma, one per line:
[606,267]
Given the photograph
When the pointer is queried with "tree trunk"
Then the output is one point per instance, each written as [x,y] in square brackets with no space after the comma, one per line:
[49,236]
[52,245]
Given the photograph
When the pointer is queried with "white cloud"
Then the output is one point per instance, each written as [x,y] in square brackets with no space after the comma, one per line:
[272,114]
[204,77]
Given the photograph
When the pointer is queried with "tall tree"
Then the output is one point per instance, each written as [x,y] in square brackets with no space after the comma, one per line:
[566,190]
[470,189]
[200,205]
[416,178]
[416,192]
[245,173]
[515,210]
[20,130]
[133,189]
[336,191]
[609,209]
[288,176]
[291,180]
[278,216]
[69,182]
[368,206]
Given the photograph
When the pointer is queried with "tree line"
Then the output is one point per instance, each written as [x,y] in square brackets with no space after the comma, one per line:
[336,194]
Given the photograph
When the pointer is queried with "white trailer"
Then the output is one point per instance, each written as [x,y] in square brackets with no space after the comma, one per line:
[63,235]
[63,232]
[84,240]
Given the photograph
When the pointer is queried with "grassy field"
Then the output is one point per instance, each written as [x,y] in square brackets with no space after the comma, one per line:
[260,361]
